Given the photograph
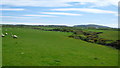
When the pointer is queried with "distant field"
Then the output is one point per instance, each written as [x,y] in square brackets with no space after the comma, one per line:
[49,48]
[45,27]
[107,34]
[112,35]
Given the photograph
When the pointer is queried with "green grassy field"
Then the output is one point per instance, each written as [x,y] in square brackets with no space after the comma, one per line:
[49,48]
[107,34]
[112,35]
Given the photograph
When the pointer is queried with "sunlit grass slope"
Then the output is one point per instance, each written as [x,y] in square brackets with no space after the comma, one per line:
[48,48]
[107,34]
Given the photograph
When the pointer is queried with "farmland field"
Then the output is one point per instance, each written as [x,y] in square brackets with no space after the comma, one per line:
[107,34]
[113,35]
[49,48]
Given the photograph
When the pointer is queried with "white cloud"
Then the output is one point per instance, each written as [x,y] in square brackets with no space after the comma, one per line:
[12,17]
[40,3]
[110,25]
[5,16]
[11,9]
[26,23]
[61,13]
[40,16]
[89,10]
[57,3]
[27,16]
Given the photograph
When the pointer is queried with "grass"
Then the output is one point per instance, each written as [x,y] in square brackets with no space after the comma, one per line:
[49,48]
[0,48]
[107,34]
[112,35]
[46,27]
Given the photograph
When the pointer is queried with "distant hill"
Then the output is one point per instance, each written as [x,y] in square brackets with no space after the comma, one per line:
[91,26]
[82,26]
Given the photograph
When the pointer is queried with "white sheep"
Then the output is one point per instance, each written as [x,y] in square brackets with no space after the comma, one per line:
[3,35]
[6,33]
[15,36]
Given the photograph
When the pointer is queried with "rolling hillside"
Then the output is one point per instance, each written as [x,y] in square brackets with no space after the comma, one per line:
[91,25]
[50,48]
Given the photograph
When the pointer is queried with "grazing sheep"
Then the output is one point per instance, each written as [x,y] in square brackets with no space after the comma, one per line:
[14,36]
[6,33]
[3,35]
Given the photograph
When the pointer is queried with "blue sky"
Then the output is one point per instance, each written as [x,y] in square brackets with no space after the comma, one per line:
[60,12]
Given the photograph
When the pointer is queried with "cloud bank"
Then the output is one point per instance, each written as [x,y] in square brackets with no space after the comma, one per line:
[58,3]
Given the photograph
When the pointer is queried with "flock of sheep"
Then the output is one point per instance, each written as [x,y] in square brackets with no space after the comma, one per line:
[14,36]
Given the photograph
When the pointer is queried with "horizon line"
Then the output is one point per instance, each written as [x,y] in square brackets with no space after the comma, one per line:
[55,24]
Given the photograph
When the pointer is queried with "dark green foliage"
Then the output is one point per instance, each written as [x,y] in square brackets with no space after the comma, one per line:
[115,44]
[94,38]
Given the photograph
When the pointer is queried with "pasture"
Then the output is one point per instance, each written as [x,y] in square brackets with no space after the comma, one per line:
[107,34]
[112,35]
[49,48]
